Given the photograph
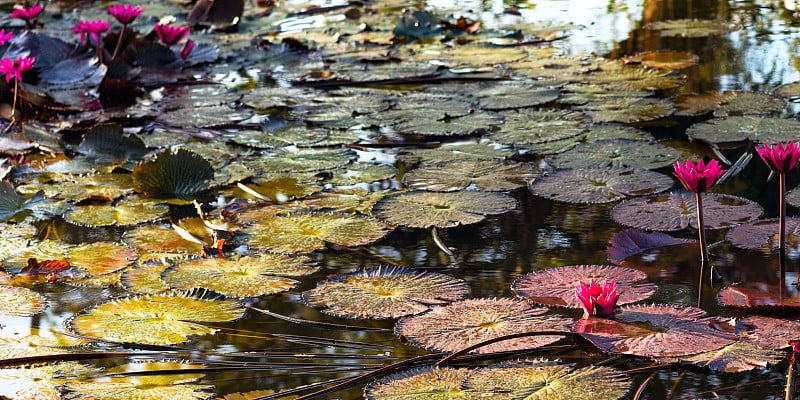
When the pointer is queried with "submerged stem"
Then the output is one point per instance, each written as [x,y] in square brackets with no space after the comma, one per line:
[700,227]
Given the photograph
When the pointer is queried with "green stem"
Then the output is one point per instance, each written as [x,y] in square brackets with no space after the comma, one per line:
[700,228]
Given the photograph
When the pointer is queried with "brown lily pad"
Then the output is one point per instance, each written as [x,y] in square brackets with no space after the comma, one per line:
[738,357]
[450,176]
[764,234]
[767,332]
[616,153]
[420,209]
[556,286]
[678,210]
[599,185]
[758,295]
[633,241]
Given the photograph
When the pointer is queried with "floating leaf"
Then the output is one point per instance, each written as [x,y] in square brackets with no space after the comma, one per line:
[737,129]
[14,237]
[593,133]
[106,186]
[450,176]
[131,212]
[476,122]
[633,241]
[556,286]
[182,174]
[767,332]
[678,210]
[35,345]
[240,277]
[346,200]
[420,209]
[541,379]
[291,159]
[276,188]
[616,76]
[666,59]
[40,382]
[384,292]
[174,386]
[468,322]
[617,153]
[599,185]
[15,207]
[94,258]
[159,241]
[628,110]
[690,27]
[421,384]
[757,295]
[145,278]
[737,357]
[693,104]
[481,149]
[657,330]
[21,302]
[763,233]
[306,232]
[515,95]
[362,172]
[198,117]
[749,103]
[537,126]
[107,144]
[154,319]
[582,93]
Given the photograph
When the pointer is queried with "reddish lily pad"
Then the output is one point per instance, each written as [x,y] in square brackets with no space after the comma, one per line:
[678,210]
[633,241]
[758,295]
[468,322]
[599,185]
[763,234]
[767,332]
[556,286]
[737,357]
[657,330]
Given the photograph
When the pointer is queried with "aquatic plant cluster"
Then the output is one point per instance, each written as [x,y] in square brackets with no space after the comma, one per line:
[168,199]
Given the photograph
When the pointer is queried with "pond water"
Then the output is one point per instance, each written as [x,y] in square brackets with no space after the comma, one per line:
[757,54]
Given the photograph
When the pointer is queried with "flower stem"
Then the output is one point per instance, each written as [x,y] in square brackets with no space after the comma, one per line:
[782,212]
[99,47]
[119,45]
[700,228]
[14,104]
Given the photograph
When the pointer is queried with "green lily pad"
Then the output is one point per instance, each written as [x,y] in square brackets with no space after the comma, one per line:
[276,188]
[154,242]
[208,116]
[450,176]
[272,97]
[420,384]
[737,129]
[543,379]
[678,210]
[749,103]
[16,208]
[469,124]
[20,302]
[664,59]
[694,104]
[535,126]
[582,93]
[737,357]
[182,174]
[239,277]
[384,292]
[593,133]
[505,96]
[599,185]
[108,186]
[617,76]
[107,144]
[477,149]
[145,278]
[691,27]
[616,153]
[465,323]
[14,237]
[174,386]
[292,159]
[306,232]
[627,109]
[362,172]
[93,258]
[41,382]
[154,319]
[346,200]
[131,212]
[421,209]
[286,135]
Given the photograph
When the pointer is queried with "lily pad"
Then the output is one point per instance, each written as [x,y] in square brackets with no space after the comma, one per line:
[182,174]
[633,241]
[691,27]
[767,332]
[160,241]
[124,213]
[21,302]
[694,104]
[737,129]
[593,133]
[467,322]
[154,319]
[422,384]
[537,126]
[346,200]
[239,277]
[384,292]
[599,185]
[542,379]
[758,295]
[749,103]
[737,357]
[476,122]
[633,78]
[306,232]
[106,186]
[764,234]
[514,95]
[617,153]
[94,258]
[292,159]
[556,286]
[627,109]
[41,382]
[107,144]
[145,278]
[479,149]
[420,209]
[279,188]
[678,210]
[667,59]
[15,207]
[362,172]
[657,330]
[175,386]
[450,176]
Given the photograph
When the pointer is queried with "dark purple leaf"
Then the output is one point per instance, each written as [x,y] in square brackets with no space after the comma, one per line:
[768,333]
[633,241]
[763,234]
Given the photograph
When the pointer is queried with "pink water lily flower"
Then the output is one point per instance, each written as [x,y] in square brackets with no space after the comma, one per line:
[15,68]
[698,178]
[125,14]
[27,14]
[780,158]
[597,300]
[171,35]
[187,48]
[5,36]
[91,27]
